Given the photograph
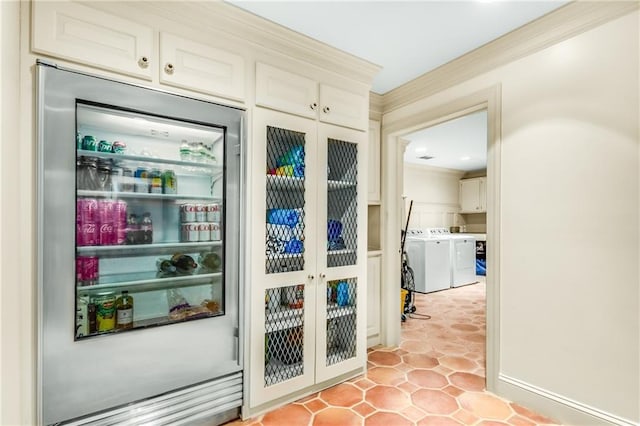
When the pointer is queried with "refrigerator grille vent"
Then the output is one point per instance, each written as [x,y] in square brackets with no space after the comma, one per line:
[213,402]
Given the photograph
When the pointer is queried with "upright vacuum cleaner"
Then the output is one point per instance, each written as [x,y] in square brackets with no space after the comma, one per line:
[406,273]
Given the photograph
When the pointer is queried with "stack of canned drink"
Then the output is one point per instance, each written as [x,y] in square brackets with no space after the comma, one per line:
[200,222]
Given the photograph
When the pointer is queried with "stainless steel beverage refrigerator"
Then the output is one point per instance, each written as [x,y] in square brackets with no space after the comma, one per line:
[138,260]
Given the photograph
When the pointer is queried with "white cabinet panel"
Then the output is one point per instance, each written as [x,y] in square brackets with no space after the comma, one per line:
[374,270]
[473,195]
[286,91]
[192,65]
[92,37]
[374,162]
[343,108]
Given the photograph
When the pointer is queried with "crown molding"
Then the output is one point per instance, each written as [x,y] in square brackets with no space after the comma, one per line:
[559,25]
[237,23]
[433,169]
[375,106]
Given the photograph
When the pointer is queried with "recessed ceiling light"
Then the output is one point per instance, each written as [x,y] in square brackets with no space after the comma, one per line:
[465,158]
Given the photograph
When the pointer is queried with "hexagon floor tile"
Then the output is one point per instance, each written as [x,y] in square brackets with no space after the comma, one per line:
[436,376]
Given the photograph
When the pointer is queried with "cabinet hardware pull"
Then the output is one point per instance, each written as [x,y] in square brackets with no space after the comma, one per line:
[310,277]
[143,62]
[313,106]
[326,110]
[168,69]
[322,276]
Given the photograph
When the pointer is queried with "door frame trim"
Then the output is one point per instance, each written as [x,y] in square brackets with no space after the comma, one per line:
[393,146]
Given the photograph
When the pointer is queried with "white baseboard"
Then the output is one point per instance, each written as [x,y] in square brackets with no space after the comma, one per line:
[557,407]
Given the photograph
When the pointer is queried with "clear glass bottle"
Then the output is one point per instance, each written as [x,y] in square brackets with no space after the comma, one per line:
[185,151]
[124,311]
[146,229]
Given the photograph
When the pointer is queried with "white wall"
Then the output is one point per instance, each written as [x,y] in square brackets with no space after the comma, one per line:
[569,292]
[434,192]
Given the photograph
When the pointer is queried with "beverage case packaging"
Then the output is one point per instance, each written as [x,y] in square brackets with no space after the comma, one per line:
[188,213]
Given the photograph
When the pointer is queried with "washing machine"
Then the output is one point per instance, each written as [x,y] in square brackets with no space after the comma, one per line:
[463,255]
[430,259]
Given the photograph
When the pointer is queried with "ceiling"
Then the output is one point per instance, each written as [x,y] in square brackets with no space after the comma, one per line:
[459,144]
[408,39]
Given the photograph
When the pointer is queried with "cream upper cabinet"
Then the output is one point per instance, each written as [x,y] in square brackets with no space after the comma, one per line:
[82,34]
[192,65]
[343,108]
[285,91]
[473,195]
[289,92]
[374,162]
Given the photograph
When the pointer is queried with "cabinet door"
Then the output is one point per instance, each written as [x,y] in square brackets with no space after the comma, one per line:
[344,108]
[341,318]
[91,37]
[373,300]
[374,162]
[470,196]
[483,195]
[196,66]
[285,91]
[283,255]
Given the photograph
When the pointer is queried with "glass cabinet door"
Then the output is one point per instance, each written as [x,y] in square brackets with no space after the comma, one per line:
[149,220]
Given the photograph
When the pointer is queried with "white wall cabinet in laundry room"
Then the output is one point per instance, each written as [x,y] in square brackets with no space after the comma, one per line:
[92,37]
[308,292]
[289,92]
[473,195]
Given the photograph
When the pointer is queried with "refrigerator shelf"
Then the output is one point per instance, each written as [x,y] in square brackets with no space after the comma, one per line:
[151,284]
[189,165]
[146,196]
[144,249]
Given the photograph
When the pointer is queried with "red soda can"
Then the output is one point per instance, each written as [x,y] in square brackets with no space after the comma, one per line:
[106,211]
[121,233]
[120,212]
[87,234]
[79,270]
[91,271]
[86,209]
[106,234]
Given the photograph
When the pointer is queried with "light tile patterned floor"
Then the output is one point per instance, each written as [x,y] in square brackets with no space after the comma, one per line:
[435,377]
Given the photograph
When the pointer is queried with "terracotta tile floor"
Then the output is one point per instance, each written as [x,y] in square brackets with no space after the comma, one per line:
[435,377]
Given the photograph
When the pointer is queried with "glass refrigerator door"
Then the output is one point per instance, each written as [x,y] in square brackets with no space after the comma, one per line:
[149,220]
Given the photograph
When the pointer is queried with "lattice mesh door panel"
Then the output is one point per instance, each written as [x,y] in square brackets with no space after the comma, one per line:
[342,205]
[284,332]
[342,302]
[285,200]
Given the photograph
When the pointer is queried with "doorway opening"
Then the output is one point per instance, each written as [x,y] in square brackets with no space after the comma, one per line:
[444,172]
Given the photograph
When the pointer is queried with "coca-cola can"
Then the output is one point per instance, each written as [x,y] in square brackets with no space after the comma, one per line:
[213,212]
[188,213]
[106,234]
[120,212]
[86,210]
[87,234]
[87,270]
[106,211]
[201,213]
[121,233]
[215,231]
[190,232]
[204,231]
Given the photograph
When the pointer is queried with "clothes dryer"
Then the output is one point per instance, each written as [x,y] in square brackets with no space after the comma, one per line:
[463,255]
[430,259]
